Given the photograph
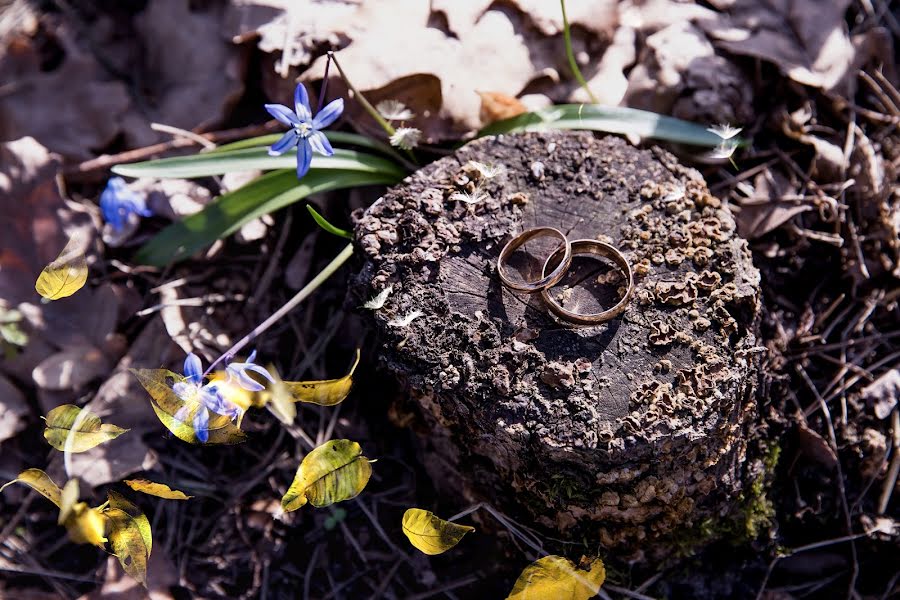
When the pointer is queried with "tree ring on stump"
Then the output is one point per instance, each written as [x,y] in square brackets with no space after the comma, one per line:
[625,434]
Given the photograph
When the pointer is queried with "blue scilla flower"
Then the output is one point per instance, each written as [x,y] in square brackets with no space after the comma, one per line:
[305,128]
[238,370]
[118,203]
[208,396]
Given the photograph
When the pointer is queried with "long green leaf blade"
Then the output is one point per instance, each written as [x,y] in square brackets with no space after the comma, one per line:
[252,159]
[261,196]
[611,119]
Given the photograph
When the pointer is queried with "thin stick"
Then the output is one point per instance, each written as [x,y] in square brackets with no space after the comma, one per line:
[894,470]
[290,305]
[388,128]
[178,132]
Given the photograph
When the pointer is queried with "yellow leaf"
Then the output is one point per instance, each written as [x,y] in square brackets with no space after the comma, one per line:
[39,482]
[156,489]
[85,525]
[130,536]
[65,275]
[279,401]
[333,472]
[178,415]
[430,533]
[557,578]
[79,427]
[327,392]
[67,501]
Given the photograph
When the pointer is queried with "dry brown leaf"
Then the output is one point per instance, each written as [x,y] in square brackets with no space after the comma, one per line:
[806,39]
[71,369]
[496,107]
[765,209]
[883,394]
[815,447]
[39,102]
[13,409]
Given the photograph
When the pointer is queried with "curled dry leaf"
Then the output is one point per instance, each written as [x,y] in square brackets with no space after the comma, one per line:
[279,400]
[333,472]
[159,490]
[129,535]
[327,392]
[78,428]
[39,482]
[178,415]
[430,533]
[86,525]
[558,578]
[65,275]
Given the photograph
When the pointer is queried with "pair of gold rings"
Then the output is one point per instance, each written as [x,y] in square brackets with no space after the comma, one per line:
[562,257]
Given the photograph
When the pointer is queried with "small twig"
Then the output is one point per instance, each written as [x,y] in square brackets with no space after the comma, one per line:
[178,132]
[890,482]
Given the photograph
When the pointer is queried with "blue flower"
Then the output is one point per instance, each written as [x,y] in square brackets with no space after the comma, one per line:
[192,390]
[239,370]
[118,203]
[304,131]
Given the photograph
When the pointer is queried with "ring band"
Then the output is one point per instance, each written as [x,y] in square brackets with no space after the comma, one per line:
[595,248]
[546,280]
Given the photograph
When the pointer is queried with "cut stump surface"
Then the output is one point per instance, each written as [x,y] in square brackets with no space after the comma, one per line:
[626,432]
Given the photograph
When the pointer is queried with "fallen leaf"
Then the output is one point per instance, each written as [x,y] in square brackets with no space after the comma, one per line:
[557,578]
[86,525]
[156,489]
[430,533]
[65,275]
[496,107]
[72,429]
[13,409]
[280,401]
[327,392]
[764,209]
[39,482]
[333,472]
[130,536]
[177,415]
[71,369]
[67,500]
[29,106]
[815,447]
[808,41]
[883,394]
[114,460]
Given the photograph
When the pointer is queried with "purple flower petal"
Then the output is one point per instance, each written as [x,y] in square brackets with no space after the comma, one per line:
[185,390]
[304,158]
[201,425]
[283,114]
[320,144]
[248,383]
[301,103]
[329,114]
[287,141]
[193,368]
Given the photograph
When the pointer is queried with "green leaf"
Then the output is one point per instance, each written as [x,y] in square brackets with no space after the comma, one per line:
[324,224]
[259,197]
[333,472]
[178,415]
[611,119]
[253,159]
[90,431]
[335,137]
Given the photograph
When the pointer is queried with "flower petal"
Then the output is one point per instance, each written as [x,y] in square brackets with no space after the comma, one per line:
[287,141]
[184,390]
[301,103]
[329,114]
[248,383]
[304,158]
[283,114]
[320,143]
[193,368]
[260,370]
[201,424]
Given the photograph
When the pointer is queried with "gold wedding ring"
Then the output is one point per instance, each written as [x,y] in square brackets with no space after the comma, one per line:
[594,248]
[547,280]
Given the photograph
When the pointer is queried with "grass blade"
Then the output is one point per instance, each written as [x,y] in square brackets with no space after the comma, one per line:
[252,159]
[611,119]
[261,196]
[324,224]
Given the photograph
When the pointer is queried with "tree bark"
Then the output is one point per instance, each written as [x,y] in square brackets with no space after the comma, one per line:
[630,432]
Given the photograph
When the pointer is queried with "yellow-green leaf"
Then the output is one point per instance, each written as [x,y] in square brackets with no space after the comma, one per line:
[65,275]
[79,427]
[156,489]
[129,535]
[326,392]
[86,525]
[430,533]
[178,415]
[557,578]
[279,401]
[333,472]
[119,502]
[39,482]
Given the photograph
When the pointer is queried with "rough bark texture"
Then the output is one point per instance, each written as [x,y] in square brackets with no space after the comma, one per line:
[622,434]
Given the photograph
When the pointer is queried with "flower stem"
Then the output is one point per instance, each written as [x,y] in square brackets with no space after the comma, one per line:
[571,55]
[308,289]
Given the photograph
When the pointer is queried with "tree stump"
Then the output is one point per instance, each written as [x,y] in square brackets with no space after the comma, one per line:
[628,434]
